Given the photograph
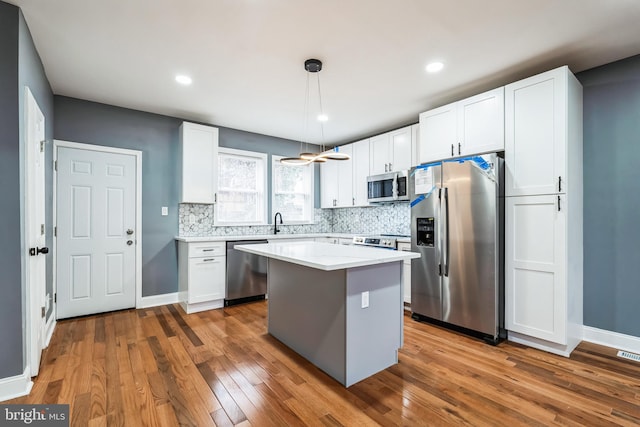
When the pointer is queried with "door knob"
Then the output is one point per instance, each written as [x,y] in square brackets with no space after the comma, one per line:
[38,251]
[129,232]
[129,242]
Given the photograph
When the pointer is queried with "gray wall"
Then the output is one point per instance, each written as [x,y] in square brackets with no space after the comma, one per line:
[11,362]
[31,73]
[158,138]
[611,196]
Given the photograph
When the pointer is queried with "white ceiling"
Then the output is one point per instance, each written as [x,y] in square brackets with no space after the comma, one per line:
[246,56]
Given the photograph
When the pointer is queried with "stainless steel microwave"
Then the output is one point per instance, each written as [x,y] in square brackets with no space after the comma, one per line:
[388,187]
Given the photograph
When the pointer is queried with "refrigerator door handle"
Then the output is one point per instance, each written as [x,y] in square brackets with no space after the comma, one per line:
[445,239]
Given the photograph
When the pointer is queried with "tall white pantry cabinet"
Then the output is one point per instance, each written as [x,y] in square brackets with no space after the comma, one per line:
[543,247]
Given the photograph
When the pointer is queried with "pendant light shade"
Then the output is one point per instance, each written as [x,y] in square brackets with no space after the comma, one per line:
[313,66]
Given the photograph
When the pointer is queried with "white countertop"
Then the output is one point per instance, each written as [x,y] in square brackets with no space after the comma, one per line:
[327,256]
[229,238]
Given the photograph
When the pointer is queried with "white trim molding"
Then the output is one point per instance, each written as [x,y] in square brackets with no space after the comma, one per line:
[12,387]
[611,339]
[50,327]
[156,300]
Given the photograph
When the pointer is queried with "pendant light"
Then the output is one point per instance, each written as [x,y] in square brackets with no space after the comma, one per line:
[313,66]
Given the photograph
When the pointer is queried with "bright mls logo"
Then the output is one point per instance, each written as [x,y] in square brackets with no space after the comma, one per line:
[36,415]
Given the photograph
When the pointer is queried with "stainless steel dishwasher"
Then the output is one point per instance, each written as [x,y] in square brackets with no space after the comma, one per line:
[246,274]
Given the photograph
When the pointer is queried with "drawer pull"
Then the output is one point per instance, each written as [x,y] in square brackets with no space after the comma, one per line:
[208,259]
[208,250]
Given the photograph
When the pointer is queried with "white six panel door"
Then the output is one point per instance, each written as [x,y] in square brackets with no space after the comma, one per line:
[96,256]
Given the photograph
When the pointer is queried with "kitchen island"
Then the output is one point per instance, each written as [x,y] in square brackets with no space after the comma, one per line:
[340,307]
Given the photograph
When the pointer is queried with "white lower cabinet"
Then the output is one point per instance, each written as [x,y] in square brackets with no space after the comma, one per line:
[541,293]
[406,273]
[201,275]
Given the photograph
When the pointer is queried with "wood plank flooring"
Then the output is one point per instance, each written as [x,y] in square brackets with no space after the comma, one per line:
[161,367]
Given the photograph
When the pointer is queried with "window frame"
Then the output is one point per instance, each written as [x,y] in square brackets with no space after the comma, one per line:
[262,193]
[275,159]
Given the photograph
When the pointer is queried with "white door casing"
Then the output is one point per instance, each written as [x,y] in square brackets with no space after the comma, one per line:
[98,229]
[35,230]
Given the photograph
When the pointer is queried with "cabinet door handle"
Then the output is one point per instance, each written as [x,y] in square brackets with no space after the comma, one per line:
[558,203]
[390,168]
[459,150]
[353,201]
[559,184]
[452,149]
[215,197]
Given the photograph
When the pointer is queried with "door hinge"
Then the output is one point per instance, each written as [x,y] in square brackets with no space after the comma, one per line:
[42,229]
[55,297]
[42,146]
[42,312]
[55,231]
[55,165]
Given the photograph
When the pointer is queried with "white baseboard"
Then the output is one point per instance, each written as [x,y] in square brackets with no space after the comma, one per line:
[201,306]
[17,386]
[50,327]
[548,346]
[156,300]
[611,339]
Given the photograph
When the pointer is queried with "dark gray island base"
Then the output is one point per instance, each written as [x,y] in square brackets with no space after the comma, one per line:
[338,306]
[319,315]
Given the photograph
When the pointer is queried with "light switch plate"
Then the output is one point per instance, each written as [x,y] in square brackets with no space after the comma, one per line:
[165,211]
[365,299]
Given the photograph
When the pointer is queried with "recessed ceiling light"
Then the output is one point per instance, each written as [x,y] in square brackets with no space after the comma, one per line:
[323,117]
[434,67]
[183,80]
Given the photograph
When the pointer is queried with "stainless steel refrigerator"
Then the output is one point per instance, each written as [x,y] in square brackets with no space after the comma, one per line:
[457,225]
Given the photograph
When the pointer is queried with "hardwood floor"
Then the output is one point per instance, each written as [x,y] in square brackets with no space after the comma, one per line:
[159,366]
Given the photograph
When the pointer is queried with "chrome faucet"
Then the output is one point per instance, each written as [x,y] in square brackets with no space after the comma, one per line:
[275,222]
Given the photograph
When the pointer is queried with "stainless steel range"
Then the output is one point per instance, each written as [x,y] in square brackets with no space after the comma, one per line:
[386,241]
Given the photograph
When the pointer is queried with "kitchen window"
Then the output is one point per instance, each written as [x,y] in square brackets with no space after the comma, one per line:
[242,185]
[292,191]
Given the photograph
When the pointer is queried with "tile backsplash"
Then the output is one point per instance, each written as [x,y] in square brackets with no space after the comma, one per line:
[198,221]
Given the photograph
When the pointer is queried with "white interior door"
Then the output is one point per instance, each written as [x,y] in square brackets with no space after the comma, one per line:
[35,219]
[96,235]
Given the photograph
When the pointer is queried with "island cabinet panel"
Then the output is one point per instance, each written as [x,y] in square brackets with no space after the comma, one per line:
[320,315]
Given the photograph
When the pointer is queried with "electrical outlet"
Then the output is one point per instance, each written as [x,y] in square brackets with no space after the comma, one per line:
[165,211]
[365,299]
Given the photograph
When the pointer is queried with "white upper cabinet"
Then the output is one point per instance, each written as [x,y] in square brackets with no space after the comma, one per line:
[379,154]
[400,147]
[345,178]
[361,171]
[481,123]
[344,182]
[199,149]
[472,126]
[329,183]
[438,133]
[391,151]
[536,134]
